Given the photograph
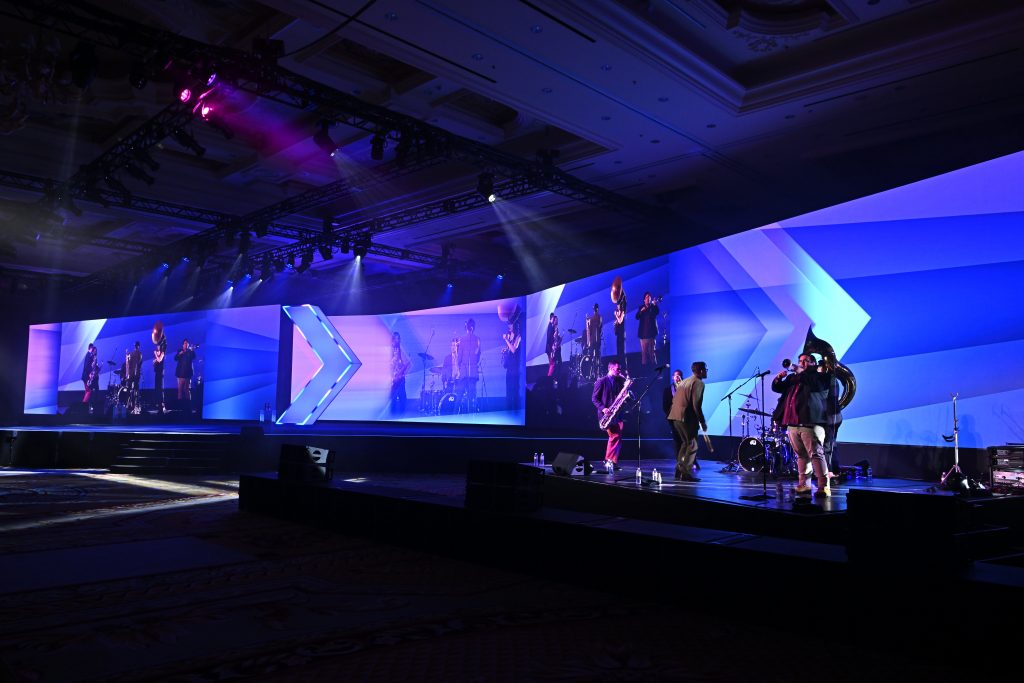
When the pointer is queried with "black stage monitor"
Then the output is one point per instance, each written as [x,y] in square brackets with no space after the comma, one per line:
[305,463]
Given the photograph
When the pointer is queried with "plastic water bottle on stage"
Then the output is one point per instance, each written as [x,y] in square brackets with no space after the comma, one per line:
[542,460]
[608,466]
[654,476]
[536,458]
[639,476]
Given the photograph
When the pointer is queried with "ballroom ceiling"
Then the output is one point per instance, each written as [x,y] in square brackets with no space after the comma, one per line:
[611,130]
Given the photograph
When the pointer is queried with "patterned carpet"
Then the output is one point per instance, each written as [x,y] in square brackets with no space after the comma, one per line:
[291,603]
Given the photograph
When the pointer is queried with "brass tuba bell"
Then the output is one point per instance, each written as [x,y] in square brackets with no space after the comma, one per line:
[616,292]
[828,355]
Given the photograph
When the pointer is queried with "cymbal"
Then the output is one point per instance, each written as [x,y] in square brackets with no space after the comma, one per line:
[755,412]
[578,340]
[111,363]
[437,369]
[425,356]
[571,331]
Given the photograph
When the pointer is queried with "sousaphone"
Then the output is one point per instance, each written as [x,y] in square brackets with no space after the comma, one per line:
[616,289]
[828,355]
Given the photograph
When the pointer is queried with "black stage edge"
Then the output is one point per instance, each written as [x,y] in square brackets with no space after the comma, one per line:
[406,447]
[929,592]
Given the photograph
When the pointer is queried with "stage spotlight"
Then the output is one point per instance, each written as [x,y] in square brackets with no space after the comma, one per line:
[137,173]
[138,77]
[451,285]
[243,242]
[165,265]
[184,93]
[323,139]
[346,246]
[404,145]
[188,141]
[185,259]
[377,145]
[260,229]
[500,276]
[326,252]
[307,261]
[485,186]
[359,250]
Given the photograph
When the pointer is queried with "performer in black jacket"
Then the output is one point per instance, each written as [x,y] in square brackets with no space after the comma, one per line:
[184,357]
[804,396]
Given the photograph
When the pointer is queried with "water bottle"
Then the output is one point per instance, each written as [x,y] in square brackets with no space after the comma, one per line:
[869,472]
[262,414]
[608,467]
[542,460]
[654,476]
[639,476]
[536,458]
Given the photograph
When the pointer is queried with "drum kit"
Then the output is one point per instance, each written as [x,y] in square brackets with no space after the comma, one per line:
[584,363]
[443,397]
[770,448]
[125,394]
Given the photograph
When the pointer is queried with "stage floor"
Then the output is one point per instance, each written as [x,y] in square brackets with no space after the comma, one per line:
[714,485]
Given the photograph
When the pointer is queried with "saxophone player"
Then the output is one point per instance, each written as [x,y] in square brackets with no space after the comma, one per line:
[686,414]
[606,390]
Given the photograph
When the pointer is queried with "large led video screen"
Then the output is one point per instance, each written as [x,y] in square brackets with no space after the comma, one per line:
[459,364]
[226,360]
[915,289]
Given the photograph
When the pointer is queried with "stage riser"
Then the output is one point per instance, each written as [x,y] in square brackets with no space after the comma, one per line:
[655,562]
[405,450]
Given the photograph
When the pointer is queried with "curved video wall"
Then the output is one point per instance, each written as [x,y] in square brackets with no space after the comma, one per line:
[915,289]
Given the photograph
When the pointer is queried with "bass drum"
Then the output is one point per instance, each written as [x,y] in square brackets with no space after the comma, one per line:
[124,394]
[750,454]
[589,370]
[450,404]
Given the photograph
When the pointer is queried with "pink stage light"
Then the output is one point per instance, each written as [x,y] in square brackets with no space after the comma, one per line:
[184,94]
[206,110]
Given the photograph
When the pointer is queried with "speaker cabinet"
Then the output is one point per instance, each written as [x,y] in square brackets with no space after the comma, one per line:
[305,463]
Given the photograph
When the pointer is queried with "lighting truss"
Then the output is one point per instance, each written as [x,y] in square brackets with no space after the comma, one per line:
[264,78]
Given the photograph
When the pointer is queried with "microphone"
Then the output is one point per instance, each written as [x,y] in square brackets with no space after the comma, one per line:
[763,374]
[786,363]
[661,368]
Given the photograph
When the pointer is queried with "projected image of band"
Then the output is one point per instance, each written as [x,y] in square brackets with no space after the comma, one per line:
[173,364]
[459,364]
[575,329]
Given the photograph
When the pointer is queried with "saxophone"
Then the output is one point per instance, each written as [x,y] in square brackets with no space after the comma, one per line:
[845,376]
[616,405]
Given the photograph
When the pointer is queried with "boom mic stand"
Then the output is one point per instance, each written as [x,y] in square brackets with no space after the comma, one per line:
[637,406]
[734,464]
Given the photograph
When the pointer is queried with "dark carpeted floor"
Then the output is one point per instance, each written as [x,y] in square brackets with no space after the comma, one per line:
[181,586]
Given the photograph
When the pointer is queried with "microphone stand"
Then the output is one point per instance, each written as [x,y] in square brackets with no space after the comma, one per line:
[955,438]
[734,464]
[639,414]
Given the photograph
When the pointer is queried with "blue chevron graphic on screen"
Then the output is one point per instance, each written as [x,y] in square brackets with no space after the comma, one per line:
[338,364]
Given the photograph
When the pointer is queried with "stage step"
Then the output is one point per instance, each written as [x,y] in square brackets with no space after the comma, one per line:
[172,455]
